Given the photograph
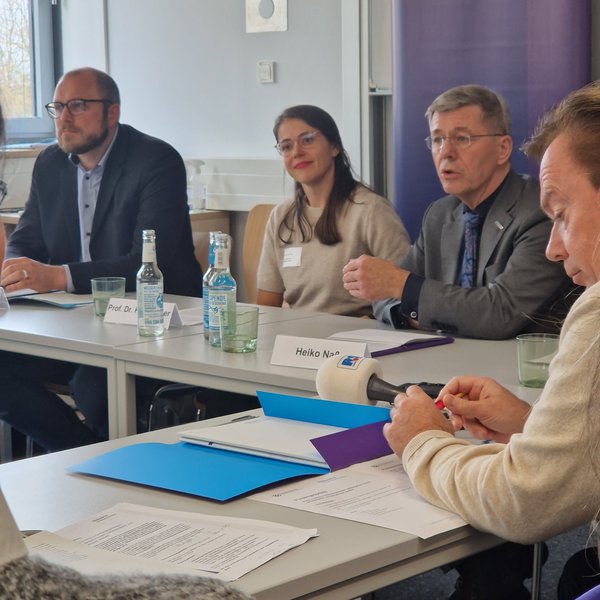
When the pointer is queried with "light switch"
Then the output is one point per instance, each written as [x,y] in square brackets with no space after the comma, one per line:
[265,71]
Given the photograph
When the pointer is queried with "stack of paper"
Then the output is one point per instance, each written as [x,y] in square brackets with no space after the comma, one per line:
[129,538]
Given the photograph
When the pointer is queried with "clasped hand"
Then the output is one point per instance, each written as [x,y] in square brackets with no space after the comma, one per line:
[24,273]
[478,404]
[371,278]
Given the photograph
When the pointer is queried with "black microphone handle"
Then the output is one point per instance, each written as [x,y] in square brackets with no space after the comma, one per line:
[378,389]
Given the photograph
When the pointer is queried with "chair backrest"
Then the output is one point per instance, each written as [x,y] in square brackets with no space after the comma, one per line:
[201,241]
[254,234]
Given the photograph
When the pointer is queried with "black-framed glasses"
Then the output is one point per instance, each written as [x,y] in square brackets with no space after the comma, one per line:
[304,140]
[3,190]
[462,140]
[76,106]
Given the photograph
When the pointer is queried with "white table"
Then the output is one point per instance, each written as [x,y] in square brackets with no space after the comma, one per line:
[77,335]
[183,355]
[192,360]
[347,560]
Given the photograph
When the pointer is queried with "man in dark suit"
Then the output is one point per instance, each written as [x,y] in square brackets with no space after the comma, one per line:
[512,287]
[91,196]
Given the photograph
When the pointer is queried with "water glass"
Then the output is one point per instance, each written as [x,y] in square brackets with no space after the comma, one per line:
[239,329]
[535,351]
[105,288]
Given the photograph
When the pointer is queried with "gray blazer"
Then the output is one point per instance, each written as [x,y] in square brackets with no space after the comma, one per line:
[517,287]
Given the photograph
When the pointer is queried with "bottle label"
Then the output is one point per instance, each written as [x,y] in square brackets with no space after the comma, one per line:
[205,308]
[149,252]
[221,258]
[150,304]
[218,301]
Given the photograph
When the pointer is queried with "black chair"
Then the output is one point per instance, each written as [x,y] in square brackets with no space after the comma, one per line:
[174,404]
[161,404]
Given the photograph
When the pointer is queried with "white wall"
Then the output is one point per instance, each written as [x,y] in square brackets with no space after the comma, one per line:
[84,39]
[187,68]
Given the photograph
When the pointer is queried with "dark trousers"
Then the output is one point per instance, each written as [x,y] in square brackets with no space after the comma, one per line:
[580,574]
[29,407]
[496,574]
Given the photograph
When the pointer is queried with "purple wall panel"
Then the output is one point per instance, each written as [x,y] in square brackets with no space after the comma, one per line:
[531,51]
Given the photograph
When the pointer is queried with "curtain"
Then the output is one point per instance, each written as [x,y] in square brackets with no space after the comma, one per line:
[533,52]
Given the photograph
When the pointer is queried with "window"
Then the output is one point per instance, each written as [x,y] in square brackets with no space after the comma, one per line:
[26,68]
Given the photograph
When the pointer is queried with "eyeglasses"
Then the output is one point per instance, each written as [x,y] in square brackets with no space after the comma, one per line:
[76,106]
[3,190]
[462,141]
[305,140]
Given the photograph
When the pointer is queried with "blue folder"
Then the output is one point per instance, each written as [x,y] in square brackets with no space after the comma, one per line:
[223,474]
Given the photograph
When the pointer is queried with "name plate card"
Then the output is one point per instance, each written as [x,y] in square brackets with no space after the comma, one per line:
[309,353]
[124,311]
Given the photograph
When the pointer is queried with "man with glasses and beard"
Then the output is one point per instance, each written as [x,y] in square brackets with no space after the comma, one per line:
[91,196]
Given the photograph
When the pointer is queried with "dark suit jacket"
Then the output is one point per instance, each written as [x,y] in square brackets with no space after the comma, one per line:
[517,286]
[143,187]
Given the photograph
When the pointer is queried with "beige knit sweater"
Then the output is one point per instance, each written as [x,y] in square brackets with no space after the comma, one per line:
[312,279]
[545,480]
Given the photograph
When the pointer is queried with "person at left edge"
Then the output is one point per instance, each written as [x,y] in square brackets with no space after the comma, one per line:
[91,196]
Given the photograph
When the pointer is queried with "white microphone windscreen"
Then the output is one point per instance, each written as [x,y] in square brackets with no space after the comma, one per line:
[345,378]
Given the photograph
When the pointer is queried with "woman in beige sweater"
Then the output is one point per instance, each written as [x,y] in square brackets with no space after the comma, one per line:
[543,475]
[331,219]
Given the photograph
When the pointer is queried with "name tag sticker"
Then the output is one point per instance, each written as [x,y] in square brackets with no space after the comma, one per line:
[124,311]
[309,353]
[292,257]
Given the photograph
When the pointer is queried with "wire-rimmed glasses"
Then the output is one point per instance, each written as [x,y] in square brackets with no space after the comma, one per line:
[461,141]
[304,140]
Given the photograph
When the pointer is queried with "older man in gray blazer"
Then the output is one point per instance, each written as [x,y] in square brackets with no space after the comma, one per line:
[494,280]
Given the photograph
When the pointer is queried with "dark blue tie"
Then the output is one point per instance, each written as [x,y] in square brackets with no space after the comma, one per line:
[468,273]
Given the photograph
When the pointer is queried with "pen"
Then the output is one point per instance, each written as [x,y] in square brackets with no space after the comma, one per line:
[442,406]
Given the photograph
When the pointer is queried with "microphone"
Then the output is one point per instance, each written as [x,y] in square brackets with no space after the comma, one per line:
[358,380]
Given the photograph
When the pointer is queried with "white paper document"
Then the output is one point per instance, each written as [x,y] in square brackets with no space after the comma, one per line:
[377,492]
[90,561]
[18,293]
[130,538]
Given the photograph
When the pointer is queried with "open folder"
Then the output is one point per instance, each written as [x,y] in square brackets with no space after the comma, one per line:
[58,298]
[383,341]
[347,434]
